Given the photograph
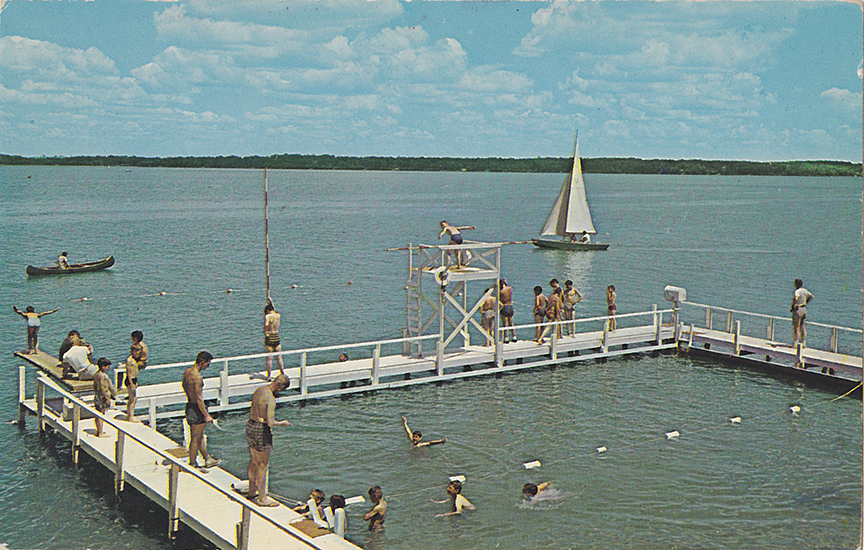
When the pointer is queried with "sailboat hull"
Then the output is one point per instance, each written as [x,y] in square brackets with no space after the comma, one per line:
[560,244]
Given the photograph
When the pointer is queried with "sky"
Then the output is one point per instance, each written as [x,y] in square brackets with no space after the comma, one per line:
[770,80]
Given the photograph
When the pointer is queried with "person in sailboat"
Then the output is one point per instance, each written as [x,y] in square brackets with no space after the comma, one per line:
[455,236]
[585,238]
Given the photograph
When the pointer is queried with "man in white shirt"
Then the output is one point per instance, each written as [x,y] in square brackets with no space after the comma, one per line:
[77,359]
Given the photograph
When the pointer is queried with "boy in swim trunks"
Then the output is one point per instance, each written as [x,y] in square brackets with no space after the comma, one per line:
[378,513]
[260,438]
[505,295]
[103,391]
[455,237]
[137,360]
[487,311]
[272,343]
[196,412]
[33,324]
[571,298]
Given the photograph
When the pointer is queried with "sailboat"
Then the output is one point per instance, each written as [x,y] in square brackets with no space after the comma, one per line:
[570,218]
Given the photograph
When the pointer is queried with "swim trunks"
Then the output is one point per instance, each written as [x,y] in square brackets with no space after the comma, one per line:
[507,311]
[100,403]
[258,436]
[488,316]
[33,322]
[799,315]
[456,239]
[193,415]
[271,339]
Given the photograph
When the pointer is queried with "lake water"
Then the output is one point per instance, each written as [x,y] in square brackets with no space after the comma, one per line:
[775,481]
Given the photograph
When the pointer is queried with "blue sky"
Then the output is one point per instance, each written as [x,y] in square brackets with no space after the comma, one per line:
[771,80]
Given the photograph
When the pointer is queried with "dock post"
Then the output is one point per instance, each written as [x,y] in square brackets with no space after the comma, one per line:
[173,481]
[553,343]
[799,356]
[728,321]
[40,404]
[499,353]
[151,413]
[304,387]
[439,357]
[708,321]
[657,323]
[737,338]
[676,320]
[835,342]
[604,341]
[242,530]
[376,363]
[223,385]
[120,472]
[690,338]
[770,329]
[22,394]
[76,431]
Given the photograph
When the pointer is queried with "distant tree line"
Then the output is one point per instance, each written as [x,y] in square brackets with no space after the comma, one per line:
[449,164]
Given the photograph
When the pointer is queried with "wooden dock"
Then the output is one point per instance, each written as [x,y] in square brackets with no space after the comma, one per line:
[148,460]
[729,343]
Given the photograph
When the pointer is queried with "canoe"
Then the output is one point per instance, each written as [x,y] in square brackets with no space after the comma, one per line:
[568,245]
[73,268]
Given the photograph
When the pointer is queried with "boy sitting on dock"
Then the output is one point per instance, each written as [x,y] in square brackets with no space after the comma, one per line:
[78,359]
[137,360]
[103,391]
[416,437]
[460,503]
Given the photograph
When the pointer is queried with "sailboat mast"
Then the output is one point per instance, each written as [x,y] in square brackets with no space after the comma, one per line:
[266,237]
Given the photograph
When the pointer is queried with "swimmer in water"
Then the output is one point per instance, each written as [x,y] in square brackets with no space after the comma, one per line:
[378,513]
[460,503]
[530,491]
[416,437]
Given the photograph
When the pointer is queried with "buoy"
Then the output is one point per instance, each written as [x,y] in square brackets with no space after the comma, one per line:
[735,420]
[355,500]
[350,283]
[601,449]
[530,465]
[460,479]
[162,293]
[293,286]
[83,299]
[672,435]
[795,409]
[229,290]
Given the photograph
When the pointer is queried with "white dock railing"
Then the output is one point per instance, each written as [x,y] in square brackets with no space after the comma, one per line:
[728,317]
[176,466]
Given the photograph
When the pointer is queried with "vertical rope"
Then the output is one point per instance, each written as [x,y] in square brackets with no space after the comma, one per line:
[266,237]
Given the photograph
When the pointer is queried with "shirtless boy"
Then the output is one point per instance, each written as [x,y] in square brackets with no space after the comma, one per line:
[455,236]
[460,503]
[487,311]
[260,438]
[505,295]
[196,412]
[416,437]
[137,360]
[33,324]
[378,513]
[539,311]
[272,321]
[103,391]
[571,297]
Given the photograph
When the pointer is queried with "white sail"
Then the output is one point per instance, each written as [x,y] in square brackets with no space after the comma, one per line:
[570,213]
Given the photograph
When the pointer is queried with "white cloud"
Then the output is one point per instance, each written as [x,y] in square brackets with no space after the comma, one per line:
[848,102]
[20,54]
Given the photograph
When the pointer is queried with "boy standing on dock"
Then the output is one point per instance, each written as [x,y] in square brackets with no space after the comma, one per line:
[571,298]
[260,438]
[196,411]
[137,360]
[103,391]
[505,294]
[800,299]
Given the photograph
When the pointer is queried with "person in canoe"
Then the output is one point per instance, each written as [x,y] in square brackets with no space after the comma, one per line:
[33,324]
[63,261]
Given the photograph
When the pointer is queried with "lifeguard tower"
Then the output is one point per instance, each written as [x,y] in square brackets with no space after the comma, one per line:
[438,295]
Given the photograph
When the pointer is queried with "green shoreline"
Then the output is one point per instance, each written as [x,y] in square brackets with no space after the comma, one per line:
[449,164]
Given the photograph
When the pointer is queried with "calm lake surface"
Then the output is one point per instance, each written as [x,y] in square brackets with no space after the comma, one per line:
[775,481]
